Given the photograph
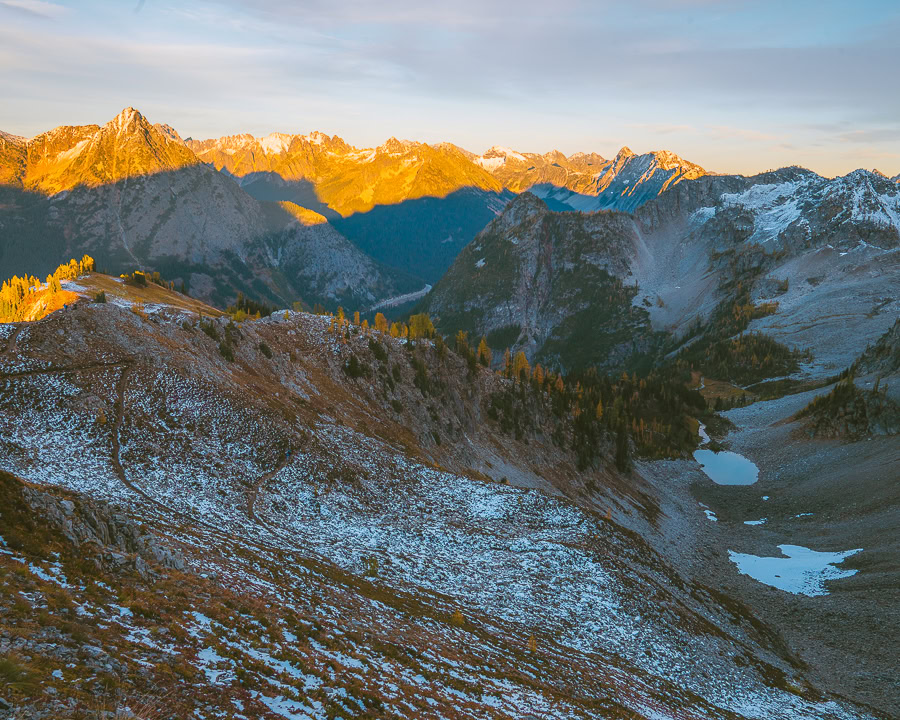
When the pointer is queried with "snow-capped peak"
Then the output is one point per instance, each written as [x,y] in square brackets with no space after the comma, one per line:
[505,152]
[275,142]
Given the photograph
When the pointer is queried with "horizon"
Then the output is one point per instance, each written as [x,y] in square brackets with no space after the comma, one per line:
[734,87]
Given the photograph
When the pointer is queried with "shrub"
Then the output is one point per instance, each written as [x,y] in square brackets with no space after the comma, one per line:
[378,350]
[354,368]
[100,297]
[265,350]
[210,329]
[226,351]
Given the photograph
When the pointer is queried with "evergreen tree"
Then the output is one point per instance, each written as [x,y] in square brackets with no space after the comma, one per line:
[521,368]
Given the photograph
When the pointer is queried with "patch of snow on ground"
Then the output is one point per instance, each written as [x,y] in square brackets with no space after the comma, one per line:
[800,571]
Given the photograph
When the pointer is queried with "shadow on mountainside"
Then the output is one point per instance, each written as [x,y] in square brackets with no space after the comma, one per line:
[197,226]
[423,236]
[271,187]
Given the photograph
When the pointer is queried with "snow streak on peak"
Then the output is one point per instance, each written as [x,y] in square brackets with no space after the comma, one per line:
[275,142]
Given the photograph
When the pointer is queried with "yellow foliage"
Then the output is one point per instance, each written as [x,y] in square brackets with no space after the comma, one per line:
[17,294]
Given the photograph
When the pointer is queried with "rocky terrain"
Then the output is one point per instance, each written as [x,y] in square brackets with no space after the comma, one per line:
[588,182]
[136,195]
[332,525]
[821,256]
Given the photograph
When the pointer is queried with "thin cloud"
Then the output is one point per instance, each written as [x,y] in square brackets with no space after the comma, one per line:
[36,8]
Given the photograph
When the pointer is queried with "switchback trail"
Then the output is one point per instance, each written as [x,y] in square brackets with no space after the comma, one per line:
[64,370]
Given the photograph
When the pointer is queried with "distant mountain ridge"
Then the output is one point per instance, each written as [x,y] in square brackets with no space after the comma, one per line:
[589,182]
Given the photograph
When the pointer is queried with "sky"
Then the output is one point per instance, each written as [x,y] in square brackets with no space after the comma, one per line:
[737,86]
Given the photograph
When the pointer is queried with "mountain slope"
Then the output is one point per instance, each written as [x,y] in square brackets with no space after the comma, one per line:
[414,205]
[346,179]
[133,195]
[588,182]
[550,283]
[816,252]
[127,146]
[370,570]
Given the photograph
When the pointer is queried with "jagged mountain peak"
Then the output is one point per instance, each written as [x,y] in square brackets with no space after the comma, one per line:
[127,118]
[393,146]
[12,139]
[169,132]
[128,145]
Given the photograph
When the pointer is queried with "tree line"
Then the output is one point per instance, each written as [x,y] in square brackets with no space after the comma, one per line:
[18,293]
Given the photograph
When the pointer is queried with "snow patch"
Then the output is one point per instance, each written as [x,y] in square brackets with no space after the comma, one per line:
[800,571]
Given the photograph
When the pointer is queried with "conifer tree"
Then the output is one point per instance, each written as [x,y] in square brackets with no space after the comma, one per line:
[485,356]
[521,368]
[462,342]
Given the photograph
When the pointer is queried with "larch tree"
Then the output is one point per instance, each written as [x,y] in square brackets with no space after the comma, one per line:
[521,368]
[485,356]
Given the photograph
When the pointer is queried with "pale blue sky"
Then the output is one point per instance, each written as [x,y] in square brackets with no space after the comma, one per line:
[734,85]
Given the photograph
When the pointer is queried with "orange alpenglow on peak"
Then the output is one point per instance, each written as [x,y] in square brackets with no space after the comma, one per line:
[126,146]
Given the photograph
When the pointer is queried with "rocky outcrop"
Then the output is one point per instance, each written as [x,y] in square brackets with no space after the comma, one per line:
[118,540]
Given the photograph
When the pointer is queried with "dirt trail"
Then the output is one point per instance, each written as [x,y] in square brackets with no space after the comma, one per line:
[11,343]
[254,491]
[63,370]
[127,366]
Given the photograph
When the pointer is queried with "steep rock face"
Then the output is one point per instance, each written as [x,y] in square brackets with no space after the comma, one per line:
[322,264]
[127,146]
[409,205]
[550,283]
[826,251]
[12,159]
[522,171]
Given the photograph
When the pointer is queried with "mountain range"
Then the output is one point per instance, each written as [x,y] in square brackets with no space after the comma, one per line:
[135,194]
[626,446]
